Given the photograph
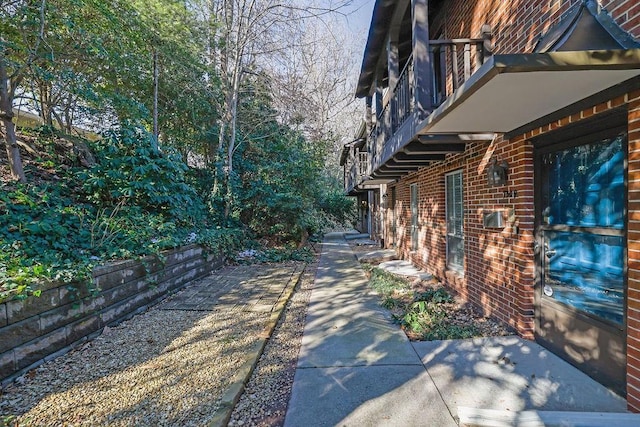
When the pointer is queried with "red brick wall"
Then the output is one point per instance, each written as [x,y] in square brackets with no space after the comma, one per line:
[517,24]
[499,265]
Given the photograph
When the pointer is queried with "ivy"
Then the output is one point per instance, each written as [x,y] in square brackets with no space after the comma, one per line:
[134,202]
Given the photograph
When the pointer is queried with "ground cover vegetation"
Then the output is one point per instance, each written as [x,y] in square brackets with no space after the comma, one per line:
[131,127]
[427,311]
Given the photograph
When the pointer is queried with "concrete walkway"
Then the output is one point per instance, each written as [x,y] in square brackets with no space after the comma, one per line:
[357,368]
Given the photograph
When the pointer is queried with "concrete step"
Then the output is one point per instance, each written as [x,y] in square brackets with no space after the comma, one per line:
[475,417]
[355,236]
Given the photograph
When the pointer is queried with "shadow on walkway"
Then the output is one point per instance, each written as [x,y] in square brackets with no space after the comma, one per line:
[357,368]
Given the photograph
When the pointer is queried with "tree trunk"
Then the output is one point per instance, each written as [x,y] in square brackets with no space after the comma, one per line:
[218,156]
[155,100]
[46,103]
[6,118]
[233,120]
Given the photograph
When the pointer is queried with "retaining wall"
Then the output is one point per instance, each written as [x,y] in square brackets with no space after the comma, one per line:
[40,328]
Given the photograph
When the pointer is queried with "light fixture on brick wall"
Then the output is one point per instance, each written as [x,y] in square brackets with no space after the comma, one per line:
[497,173]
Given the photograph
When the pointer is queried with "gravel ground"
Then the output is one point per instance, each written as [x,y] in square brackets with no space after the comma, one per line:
[159,368]
[174,374]
[264,402]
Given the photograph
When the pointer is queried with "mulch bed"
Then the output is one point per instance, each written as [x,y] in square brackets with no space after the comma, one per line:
[459,312]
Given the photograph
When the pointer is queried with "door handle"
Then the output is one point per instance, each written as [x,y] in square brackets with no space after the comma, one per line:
[550,252]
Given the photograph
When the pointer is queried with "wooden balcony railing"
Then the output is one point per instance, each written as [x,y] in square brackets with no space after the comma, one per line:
[357,170]
[403,100]
[453,61]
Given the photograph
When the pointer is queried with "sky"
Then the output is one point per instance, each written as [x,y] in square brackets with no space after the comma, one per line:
[358,18]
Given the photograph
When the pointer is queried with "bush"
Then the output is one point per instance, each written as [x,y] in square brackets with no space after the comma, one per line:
[339,207]
[423,315]
[129,168]
[133,202]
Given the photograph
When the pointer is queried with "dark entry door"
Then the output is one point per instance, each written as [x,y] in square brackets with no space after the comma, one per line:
[581,255]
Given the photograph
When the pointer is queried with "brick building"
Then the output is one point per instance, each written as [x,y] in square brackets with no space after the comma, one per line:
[501,153]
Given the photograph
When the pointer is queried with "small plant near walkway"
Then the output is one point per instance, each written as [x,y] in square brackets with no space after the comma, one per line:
[426,311]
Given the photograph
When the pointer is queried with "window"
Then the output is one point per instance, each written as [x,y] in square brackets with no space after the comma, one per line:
[414,217]
[455,233]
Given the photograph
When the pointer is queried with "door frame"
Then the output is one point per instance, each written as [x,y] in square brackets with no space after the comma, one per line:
[608,124]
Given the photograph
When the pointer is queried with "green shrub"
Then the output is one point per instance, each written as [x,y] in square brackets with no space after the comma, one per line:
[446,331]
[128,167]
[339,207]
[386,283]
[285,254]
[225,241]
[134,202]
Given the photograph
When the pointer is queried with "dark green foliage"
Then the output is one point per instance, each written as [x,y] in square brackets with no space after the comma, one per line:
[437,295]
[223,240]
[86,62]
[338,206]
[42,237]
[279,185]
[129,169]
[285,254]
[134,202]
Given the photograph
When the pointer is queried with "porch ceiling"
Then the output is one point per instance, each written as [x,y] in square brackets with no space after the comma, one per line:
[510,91]
[372,184]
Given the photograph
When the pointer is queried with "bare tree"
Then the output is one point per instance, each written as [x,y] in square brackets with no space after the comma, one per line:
[316,86]
[242,33]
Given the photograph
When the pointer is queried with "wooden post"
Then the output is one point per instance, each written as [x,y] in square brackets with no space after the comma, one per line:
[394,73]
[467,61]
[394,62]
[487,46]
[423,73]
[454,65]
[380,122]
[367,117]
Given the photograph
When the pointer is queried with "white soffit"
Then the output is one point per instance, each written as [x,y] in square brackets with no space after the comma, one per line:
[373,184]
[505,96]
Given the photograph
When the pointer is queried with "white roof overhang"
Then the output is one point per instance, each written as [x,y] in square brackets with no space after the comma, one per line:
[510,91]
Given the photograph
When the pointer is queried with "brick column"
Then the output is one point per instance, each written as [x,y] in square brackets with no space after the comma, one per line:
[523,230]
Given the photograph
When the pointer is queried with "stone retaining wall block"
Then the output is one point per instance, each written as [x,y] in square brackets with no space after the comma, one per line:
[39,348]
[19,333]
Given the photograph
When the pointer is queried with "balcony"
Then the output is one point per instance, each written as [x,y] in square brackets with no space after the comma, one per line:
[355,173]
[394,144]
[432,97]
[356,165]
